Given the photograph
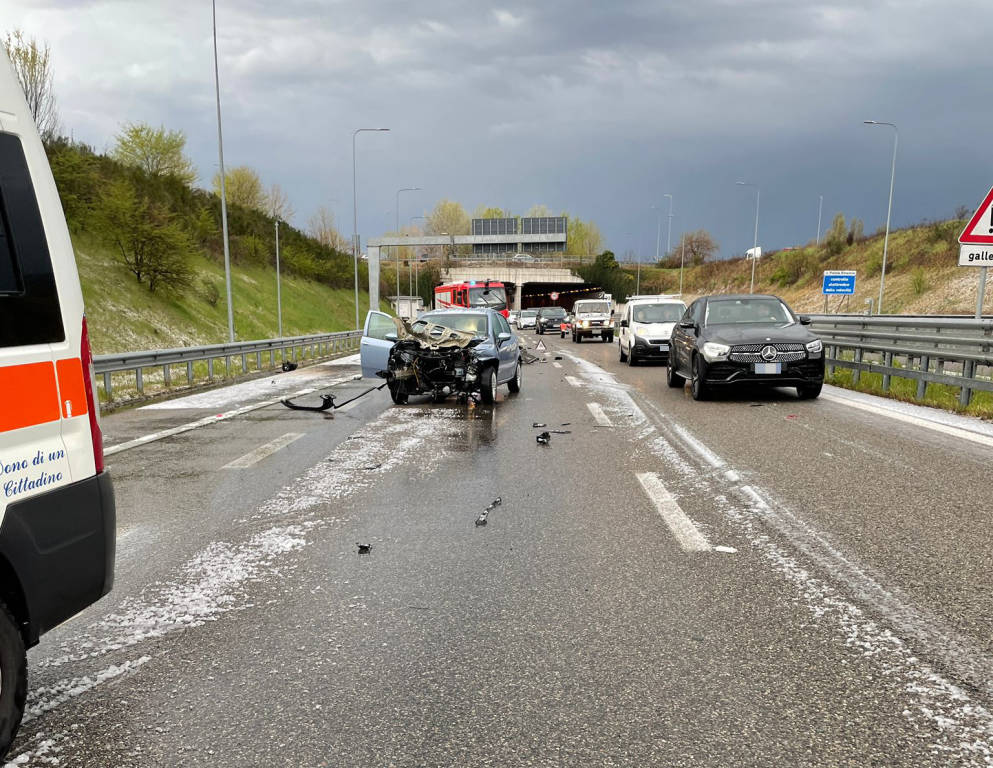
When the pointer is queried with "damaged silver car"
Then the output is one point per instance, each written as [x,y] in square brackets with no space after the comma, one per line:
[444,352]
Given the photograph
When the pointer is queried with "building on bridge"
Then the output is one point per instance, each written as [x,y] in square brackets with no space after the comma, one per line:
[508,227]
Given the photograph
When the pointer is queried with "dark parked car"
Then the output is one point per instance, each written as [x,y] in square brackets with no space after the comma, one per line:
[549,319]
[754,339]
[444,352]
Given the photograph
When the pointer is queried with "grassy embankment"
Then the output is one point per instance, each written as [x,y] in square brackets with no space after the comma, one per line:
[922,277]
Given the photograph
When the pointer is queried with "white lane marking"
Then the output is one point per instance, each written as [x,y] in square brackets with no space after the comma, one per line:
[572,380]
[963,434]
[689,538]
[263,451]
[557,365]
[599,416]
[144,440]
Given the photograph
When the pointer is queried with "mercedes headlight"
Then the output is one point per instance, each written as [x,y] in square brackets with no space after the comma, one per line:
[814,347]
[712,351]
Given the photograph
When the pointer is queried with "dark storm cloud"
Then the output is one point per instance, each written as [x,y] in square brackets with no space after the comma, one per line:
[596,108]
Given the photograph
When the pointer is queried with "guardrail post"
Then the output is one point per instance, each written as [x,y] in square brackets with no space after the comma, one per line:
[189,372]
[922,382]
[139,381]
[167,375]
[227,366]
[965,394]
[272,358]
[258,361]
[107,386]
[210,368]
[888,362]
[857,371]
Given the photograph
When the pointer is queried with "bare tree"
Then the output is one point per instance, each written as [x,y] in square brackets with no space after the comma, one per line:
[33,67]
[277,203]
[322,228]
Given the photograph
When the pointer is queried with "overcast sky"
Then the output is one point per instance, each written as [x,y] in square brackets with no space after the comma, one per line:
[597,108]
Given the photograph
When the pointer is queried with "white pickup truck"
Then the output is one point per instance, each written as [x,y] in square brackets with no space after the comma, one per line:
[592,318]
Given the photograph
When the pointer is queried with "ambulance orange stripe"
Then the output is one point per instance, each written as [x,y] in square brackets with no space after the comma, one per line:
[29,394]
[71,389]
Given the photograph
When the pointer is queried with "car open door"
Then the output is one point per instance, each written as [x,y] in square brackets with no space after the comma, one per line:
[374,349]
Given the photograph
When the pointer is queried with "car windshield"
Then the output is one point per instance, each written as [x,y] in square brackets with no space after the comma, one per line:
[494,297]
[466,322]
[734,311]
[553,312]
[529,313]
[593,307]
[657,313]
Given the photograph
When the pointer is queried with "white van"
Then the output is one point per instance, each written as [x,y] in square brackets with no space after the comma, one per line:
[646,326]
[57,514]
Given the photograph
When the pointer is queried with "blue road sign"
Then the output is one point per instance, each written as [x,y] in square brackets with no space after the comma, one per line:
[838,281]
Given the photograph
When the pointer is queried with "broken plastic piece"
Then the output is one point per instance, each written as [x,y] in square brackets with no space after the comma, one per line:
[538,424]
[557,357]
[560,431]
[364,549]
[543,438]
[289,366]
[481,520]
[327,402]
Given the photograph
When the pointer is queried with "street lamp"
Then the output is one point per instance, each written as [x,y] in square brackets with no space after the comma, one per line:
[889,209]
[279,297]
[405,189]
[355,221]
[755,244]
[417,257]
[658,233]
[682,258]
[224,203]
[668,233]
[820,209]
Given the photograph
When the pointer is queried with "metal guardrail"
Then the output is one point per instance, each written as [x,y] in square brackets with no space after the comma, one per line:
[955,351]
[293,347]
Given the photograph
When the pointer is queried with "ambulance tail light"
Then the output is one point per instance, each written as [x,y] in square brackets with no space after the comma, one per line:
[93,407]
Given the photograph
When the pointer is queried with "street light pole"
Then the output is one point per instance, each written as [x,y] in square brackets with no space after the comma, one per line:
[755,243]
[405,189]
[682,258]
[355,221]
[224,203]
[279,297]
[658,233]
[820,209]
[417,259]
[668,233]
[889,210]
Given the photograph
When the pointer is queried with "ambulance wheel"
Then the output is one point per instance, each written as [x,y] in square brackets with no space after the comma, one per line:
[13,679]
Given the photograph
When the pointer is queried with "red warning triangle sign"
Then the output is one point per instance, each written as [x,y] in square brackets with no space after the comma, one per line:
[979,230]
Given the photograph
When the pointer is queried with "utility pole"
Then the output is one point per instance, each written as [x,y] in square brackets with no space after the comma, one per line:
[224,203]
[279,297]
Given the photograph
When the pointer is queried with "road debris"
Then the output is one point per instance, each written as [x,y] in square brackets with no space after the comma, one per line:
[288,366]
[543,438]
[327,402]
[364,549]
[538,424]
[481,520]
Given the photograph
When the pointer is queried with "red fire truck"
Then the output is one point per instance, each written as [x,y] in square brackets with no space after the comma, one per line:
[474,294]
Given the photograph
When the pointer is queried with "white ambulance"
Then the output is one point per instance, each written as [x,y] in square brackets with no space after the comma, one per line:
[57,515]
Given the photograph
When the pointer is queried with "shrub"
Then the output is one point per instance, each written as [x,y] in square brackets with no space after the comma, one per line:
[918,280]
[211,294]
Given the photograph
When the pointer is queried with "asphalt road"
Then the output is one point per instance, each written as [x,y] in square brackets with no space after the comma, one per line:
[752,581]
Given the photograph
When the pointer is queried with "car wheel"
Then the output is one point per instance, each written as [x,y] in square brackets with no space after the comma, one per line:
[672,378]
[809,392]
[13,679]
[515,383]
[631,358]
[620,353]
[488,386]
[698,386]
[398,393]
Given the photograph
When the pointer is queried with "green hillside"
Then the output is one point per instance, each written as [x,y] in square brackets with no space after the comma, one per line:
[922,274]
[124,316]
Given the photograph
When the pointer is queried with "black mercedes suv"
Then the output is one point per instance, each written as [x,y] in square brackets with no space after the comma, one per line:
[549,319]
[750,339]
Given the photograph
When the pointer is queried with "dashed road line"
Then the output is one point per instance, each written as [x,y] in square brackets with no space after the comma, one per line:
[145,439]
[573,380]
[557,365]
[263,451]
[687,534]
[599,416]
